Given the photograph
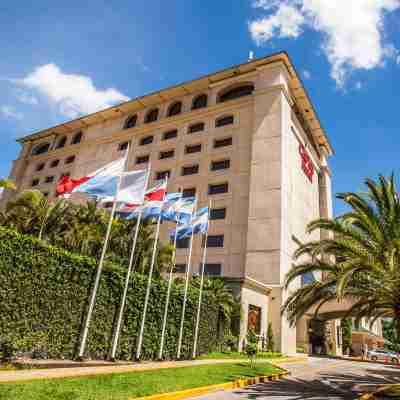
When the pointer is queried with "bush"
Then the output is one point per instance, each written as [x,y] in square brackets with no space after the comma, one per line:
[44,294]
[251,348]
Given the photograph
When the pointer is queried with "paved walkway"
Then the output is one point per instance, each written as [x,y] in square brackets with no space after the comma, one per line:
[24,375]
[317,379]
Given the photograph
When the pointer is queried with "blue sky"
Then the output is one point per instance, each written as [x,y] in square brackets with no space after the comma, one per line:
[61,61]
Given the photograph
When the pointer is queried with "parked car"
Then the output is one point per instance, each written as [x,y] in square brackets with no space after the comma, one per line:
[384,355]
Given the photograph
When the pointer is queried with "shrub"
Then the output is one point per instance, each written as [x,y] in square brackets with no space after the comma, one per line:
[44,292]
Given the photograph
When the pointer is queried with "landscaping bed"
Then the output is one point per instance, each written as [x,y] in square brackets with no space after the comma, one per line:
[126,386]
[234,355]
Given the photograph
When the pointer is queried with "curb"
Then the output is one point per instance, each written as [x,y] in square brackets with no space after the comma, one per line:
[371,396]
[239,383]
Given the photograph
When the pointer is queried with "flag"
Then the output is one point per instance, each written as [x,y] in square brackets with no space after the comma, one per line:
[151,208]
[132,189]
[102,182]
[179,210]
[199,224]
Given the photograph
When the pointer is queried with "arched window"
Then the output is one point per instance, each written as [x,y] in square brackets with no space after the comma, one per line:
[77,138]
[61,143]
[199,102]
[130,122]
[151,116]
[174,109]
[41,149]
[235,93]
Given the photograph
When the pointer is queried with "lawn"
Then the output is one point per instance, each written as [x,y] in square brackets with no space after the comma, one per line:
[234,355]
[134,384]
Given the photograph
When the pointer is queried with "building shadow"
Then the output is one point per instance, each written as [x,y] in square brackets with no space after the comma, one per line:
[335,385]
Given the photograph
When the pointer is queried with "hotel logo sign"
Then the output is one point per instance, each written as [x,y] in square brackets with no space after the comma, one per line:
[306,163]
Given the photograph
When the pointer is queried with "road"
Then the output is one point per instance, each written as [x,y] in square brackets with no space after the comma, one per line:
[319,378]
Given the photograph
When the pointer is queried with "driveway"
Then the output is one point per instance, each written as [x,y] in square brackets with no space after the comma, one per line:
[317,379]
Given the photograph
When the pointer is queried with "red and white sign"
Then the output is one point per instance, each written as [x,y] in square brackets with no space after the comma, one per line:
[306,163]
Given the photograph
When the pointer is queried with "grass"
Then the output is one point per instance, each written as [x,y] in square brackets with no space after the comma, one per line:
[392,392]
[234,355]
[134,384]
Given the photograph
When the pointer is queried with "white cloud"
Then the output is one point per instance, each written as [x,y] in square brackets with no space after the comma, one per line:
[306,74]
[286,22]
[9,112]
[73,94]
[26,98]
[353,31]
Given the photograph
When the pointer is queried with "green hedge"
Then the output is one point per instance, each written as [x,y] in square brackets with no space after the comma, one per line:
[44,294]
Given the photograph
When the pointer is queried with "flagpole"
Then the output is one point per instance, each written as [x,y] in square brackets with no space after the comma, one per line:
[127,279]
[146,300]
[203,263]
[164,325]
[178,355]
[100,266]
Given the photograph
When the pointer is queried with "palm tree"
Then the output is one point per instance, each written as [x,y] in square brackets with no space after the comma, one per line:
[32,213]
[360,259]
[7,184]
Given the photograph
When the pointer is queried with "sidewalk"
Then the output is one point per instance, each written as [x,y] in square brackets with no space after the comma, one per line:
[27,375]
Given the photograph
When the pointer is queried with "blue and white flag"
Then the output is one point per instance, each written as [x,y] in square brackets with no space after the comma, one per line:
[199,224]
[179,210]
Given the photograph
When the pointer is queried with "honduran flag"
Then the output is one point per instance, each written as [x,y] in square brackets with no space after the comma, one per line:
[179,210]
[102,182]
[198,224]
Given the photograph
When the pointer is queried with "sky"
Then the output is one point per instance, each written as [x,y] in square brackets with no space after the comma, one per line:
[61,60]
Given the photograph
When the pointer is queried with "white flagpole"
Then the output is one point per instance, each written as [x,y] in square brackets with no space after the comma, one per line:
[203,263]
[127,279]
[100,266]
[178,355]
[146,300]
[164,325]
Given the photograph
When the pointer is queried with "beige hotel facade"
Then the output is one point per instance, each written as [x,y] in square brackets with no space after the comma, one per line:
[249,139]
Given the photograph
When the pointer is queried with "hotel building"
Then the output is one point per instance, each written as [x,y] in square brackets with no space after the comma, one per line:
[248,138]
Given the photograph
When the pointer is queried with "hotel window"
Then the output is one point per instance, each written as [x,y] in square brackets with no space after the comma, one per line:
[217,213]
[61,143]
[223,121]
[166,154]
[46,194]
[189,192]
[180,268]
[175,109]
[41,149]
[77,138]
[65,174]
[198,127]
[130,122]
[190,170]
[151,116]
[146,140]
[49,179]
[235,93]
[183,243]
[199,102]
[162,175]
[70,160]
[35,182]
[218,165]
[215,241]
[142,159]
[211,269]
[123,146]
[54,163]
[40,167]
[108,204]
[218,188]
[170,134]
[222,143]
[193,148]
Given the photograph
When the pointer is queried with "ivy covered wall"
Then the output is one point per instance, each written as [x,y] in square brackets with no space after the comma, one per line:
[44,293]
